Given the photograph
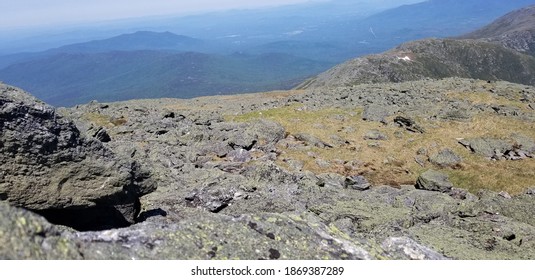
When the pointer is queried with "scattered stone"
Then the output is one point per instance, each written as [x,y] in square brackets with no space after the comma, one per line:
[338,141]
[457,115]
[497,149]
[374,145]
[488,147]
[524,144]
[260,134]
[213,199]
[462,194]
[239,155]
[404,247]
[446,158]
[375,135]
[331,180]
[358,183]
[296,165]
[506,110]
[504,194]
[102,135]
[422,152]
[377,113]
[409,124]
[323,163]
[432,180]
[312,140]
[420,161]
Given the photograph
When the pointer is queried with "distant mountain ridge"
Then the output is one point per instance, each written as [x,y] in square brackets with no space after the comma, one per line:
[515,30]
[492,58]
[140,40]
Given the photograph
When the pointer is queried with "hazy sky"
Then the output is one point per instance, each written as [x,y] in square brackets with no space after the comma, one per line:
[21,13]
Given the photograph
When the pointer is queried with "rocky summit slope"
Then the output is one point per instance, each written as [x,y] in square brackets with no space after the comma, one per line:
[516,30]
[432,169]
[502,50]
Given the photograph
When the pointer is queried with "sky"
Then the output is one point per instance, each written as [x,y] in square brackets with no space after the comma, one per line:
[27,13]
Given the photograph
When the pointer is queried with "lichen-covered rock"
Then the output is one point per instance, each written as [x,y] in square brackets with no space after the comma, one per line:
[487,147]
[446,158]
[375,135]
[25,235]
[403,247]
[48,167]
[432,180]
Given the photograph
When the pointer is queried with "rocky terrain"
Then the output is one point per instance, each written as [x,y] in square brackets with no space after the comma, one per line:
[383,157]
[502,50]
[431,169]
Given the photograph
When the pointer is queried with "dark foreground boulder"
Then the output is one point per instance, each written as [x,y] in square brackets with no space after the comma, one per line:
[49,168]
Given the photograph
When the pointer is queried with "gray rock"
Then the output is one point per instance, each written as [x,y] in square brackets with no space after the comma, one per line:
[259,134]
[377,113]
[312,140]
[358,183]
[408,124]
[432,180]
[524,143]
[487,147]
[102,135]
[375,135]
[48,167]
[296,165]
[239,155]
[338,141]
[213,198]
[505,195]
[406,248]
[323,163]
[26,235]
[331,180]
[446,158]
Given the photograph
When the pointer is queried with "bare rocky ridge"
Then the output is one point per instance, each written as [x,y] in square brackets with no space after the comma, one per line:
[516,31]
[47,167]
[433,58]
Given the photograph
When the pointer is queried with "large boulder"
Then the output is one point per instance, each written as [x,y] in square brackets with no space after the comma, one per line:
[49,168]
[446,158]
[432,180]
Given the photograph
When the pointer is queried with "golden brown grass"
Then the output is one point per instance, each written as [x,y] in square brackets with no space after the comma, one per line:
[103,120]
[488,98]
[393,161]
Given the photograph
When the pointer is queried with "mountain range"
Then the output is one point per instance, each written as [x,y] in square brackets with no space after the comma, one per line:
[260,50]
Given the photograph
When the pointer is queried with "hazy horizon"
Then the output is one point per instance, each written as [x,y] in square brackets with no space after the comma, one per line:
[35,13]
